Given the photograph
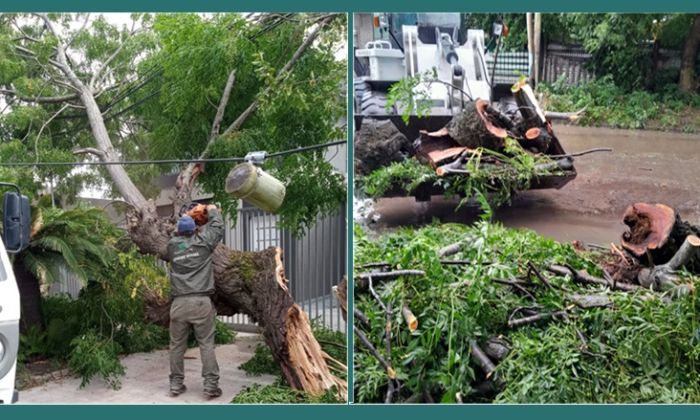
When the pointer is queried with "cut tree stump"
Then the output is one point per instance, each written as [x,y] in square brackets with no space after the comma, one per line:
[656,232]
[474,127]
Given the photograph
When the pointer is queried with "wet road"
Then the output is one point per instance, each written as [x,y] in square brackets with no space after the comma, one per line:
[649,166]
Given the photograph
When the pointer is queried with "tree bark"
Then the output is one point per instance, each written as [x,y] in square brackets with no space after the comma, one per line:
[475,127]
[687,82]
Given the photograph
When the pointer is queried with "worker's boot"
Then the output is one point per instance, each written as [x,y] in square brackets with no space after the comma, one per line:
[212,391]
[177,389]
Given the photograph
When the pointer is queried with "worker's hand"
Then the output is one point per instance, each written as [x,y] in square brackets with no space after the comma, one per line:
[212,207]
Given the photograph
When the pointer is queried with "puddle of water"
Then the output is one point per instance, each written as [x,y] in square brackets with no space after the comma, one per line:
[547,221]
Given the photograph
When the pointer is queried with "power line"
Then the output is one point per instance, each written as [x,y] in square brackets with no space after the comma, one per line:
[173,161]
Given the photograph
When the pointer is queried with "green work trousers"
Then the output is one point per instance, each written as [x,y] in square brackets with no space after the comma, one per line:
[198,312]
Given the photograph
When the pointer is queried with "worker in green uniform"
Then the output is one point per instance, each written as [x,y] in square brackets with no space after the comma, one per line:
[192,284]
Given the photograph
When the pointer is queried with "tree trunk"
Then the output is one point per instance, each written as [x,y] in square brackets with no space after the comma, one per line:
[30,290]
[687,81]
[253,283]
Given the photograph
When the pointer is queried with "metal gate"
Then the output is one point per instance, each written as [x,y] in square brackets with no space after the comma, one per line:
[313,263]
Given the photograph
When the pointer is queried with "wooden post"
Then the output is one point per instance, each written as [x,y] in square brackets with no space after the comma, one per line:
[530,41]
[536,40]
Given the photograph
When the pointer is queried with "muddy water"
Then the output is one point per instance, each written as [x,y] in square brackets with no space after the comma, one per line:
[646,166]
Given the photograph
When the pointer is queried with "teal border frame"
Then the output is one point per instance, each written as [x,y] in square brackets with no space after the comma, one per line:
[347,6]
[340,412]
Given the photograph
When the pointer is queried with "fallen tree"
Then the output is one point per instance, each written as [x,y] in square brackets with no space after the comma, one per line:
[252,283]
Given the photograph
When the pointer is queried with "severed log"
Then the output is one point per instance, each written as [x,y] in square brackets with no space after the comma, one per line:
[497,348]
[565,116]
[536,139]
[582,276]
[362,280]
[436,150]
[449,250]
[379,143]
[529,107]
[663,277]
[475,127]
[656,232]
[481,359]
[253,283]
[513,323]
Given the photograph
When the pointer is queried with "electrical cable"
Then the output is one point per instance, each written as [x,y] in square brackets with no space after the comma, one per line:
[174,161]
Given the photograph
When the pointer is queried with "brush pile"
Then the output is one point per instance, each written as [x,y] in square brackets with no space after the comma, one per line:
[449,313]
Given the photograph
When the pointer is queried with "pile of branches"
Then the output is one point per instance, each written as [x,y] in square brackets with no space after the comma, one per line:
[481,151]
[487,314]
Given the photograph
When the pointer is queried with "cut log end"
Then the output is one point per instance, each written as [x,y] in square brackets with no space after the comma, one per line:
[410,318]
[532,133]
[649,227]
[693,240]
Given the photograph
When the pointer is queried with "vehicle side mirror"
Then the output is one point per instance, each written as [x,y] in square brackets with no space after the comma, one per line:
[16,215]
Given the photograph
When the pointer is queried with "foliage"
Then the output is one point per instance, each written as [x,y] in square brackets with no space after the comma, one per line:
[496,182]
[196,57]
[332,342]
[93,355]
[108,313]
[641,349]
[280,394]
[160,94]
[74,239]
[261,363]
[223,333]
[26,132]
[608,104]
[412,95]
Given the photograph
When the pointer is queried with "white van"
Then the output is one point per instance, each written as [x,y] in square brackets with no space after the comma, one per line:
[16,217]
[9,328]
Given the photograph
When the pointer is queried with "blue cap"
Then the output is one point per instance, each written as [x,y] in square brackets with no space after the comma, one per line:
[185,225]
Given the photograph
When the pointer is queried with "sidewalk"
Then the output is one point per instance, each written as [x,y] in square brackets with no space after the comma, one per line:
[146,379]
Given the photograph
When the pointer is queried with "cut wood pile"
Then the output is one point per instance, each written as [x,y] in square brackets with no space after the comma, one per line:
[487,314]
[502,150]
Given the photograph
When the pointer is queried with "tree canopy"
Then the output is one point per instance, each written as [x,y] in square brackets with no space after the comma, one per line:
[158,81]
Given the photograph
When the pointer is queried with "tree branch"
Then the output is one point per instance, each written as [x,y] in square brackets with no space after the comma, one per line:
[95,77]
[41,130]
[40,99]
[216,126]
[90,150]
[281,75]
